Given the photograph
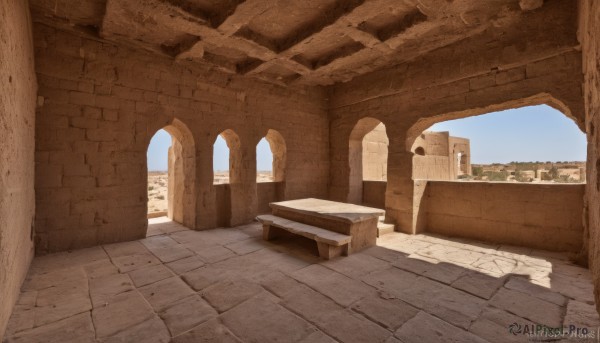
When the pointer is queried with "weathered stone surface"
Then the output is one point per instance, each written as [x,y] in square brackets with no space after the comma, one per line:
[481,285]
[145,276]
[346,326]
[387,313]
[528,307]
[163,293]
[152,331]
[211,331]
[522,285]
[185,265]
[356,265]
[581,315]
[166,249]
[336,286]
[225,295]
[104,288]
[494,324]
[250,319]
[120,312]
[433,269]
[78,328]
[426,328]
[56,303]
[186,314]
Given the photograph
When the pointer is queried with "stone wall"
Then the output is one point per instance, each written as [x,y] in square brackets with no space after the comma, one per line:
[375,153]
[539,216]
[102,103]
[374,194]
[589,34]
[17,120]
[537,61]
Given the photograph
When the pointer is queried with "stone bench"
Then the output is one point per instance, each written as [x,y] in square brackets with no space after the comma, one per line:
[330,244]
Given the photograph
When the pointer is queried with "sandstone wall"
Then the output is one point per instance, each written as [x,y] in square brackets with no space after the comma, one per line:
[590,36]
[375,152]
[539,216]
[102,103]
[17,120]
[537,61]
[374,193]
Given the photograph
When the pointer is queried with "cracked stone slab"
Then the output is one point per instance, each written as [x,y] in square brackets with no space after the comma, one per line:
[146,276]
[481,285]
[427,328]
[186,314]
[104,288]
[163,293]
[121,312]
[225,295]
[528,307]
[211,331]
[78,328]
[186,264]
[261,320]
[150,331]
[336,286]
[390,313]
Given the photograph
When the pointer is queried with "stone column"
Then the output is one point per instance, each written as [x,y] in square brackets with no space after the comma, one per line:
[403,197]
[244,201]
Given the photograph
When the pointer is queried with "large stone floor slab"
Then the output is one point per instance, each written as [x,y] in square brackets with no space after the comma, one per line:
[227,285]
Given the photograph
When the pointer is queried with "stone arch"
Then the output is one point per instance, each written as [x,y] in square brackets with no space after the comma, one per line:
[181,174]
[279,151]
[355,156]
[235,155]
[540,99]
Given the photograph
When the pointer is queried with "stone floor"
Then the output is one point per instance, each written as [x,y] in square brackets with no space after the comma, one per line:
[227,285]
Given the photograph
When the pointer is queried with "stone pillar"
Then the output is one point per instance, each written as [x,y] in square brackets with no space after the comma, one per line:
[244,203]
[206,209]
[404,198]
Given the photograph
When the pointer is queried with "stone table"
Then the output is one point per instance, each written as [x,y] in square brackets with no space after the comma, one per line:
[360,222]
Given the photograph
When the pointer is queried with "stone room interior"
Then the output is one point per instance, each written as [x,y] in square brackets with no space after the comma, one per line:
[361,234]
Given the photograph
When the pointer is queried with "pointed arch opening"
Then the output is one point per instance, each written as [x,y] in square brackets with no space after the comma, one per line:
[368,154]
[171,174]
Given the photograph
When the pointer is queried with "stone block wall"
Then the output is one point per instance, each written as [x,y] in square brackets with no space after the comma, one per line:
[374,154]
[533,215]
[17,120]
[100,106]
[589,32]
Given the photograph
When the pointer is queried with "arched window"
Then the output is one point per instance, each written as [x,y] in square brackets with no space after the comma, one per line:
[368,153]
[226,158]
[171,174]
[503,146]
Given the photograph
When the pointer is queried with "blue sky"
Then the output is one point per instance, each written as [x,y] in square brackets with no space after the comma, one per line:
[535,133]
[160,143]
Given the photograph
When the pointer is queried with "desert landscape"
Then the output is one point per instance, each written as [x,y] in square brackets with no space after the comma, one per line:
[158,182]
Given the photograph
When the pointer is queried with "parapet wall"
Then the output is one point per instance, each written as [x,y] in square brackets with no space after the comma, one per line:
[533,215]
[542,216]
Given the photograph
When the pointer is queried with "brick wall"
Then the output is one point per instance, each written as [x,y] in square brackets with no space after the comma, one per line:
[102,103]
[17,121]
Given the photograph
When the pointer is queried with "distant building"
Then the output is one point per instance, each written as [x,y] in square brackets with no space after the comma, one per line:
[439,156]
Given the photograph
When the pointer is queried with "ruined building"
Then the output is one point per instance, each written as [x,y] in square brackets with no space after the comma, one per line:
[85,84]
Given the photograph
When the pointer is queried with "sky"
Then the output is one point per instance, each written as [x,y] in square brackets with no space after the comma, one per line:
[534,133]
[160,143]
